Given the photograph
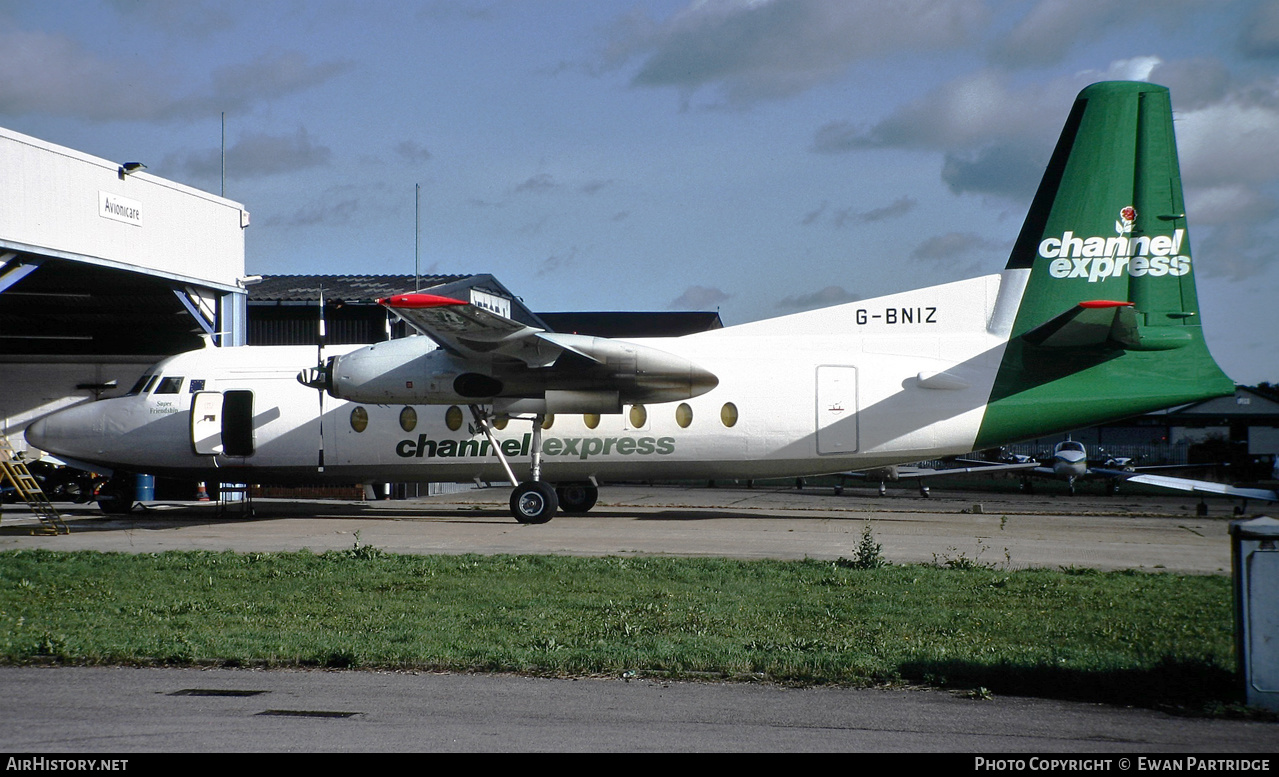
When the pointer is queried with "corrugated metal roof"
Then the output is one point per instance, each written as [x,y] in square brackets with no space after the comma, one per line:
[633,323]
[350,288]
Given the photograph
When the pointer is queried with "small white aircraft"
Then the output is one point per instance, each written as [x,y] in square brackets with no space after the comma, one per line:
[1095,317]
[1069,462]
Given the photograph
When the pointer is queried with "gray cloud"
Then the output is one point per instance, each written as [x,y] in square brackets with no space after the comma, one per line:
[190,18]
[538,183]
[995,137]
[556,262]
[699,298]
[767,50]
[961,114]
[327,212]
[1009,169]
[1233,140]
[269,77]
[593,187]
[256,155]
[1236,229]
[1052,29]
[953,244]
[412,151]
[1195,83]
[1259,37]
[845,216]
[52,75]
[831,295]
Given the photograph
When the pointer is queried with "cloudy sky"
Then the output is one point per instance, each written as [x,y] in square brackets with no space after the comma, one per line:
[753,157]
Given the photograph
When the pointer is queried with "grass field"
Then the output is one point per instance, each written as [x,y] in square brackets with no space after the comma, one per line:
[1125,637]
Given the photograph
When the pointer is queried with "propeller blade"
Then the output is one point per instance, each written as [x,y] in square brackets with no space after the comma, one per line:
[320,378]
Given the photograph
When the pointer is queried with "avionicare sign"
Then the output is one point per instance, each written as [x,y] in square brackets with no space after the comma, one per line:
[117,208]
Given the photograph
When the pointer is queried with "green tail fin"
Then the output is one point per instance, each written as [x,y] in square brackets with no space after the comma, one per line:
[1108,324]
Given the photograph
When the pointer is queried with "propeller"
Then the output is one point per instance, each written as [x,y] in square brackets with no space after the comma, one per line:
[320,367]
[317,377]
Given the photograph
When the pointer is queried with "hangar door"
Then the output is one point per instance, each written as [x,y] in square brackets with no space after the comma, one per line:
[836,409]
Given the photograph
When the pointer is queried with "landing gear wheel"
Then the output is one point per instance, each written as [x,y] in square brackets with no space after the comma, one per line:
[577,497]
[534,502]
[115,497]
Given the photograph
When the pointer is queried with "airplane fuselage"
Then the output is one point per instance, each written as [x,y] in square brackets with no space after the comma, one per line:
[866,384]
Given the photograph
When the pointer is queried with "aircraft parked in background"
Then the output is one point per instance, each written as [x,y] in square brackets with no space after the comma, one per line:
[1094,318]
[1068,462]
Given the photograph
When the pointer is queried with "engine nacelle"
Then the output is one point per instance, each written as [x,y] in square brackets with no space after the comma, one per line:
[592,374]
[409,371]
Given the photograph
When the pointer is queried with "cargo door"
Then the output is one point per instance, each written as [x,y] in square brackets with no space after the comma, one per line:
[206,423]
[237,423]
[836,409]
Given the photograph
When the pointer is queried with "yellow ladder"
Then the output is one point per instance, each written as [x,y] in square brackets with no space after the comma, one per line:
[15,471]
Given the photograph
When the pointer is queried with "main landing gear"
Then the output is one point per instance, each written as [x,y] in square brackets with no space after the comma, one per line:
[535,501]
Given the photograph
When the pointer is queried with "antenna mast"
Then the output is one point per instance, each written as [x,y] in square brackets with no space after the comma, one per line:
[417,236]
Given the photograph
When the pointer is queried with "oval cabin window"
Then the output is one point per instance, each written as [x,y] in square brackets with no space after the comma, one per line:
[408,419]
[359,419]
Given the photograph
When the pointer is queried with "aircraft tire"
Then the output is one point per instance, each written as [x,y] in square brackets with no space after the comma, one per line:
[577,497]
[115,497]
[534,502]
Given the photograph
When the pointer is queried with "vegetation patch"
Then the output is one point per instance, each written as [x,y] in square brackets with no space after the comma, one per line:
[1124,637]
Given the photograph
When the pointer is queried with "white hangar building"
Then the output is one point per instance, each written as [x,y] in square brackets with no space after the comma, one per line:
[104,269]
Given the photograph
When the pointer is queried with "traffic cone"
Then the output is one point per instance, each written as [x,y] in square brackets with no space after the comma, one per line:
[201,495]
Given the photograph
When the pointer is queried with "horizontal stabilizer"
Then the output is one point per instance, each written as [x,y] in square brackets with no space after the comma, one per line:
[1096,322]
[1105,322]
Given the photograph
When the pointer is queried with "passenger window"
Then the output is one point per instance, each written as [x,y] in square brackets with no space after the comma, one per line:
[408,419]
[169,385]
[359,419]
[453,418]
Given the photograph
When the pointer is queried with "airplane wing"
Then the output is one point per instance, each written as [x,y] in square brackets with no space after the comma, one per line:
[494,353]
[1204,487]
[910,473]
[471,331]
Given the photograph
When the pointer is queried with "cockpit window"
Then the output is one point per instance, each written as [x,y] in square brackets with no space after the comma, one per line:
[141,384]
[170,385]
[1070,445]
[150,384]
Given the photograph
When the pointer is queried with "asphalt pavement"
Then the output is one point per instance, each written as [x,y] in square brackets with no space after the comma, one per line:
[123,710]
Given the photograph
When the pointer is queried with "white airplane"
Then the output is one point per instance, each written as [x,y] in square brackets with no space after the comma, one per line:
[1094,318]
[1069,462]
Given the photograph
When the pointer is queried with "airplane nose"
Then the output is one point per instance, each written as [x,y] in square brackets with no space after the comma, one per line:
[36,434]
[68,432]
